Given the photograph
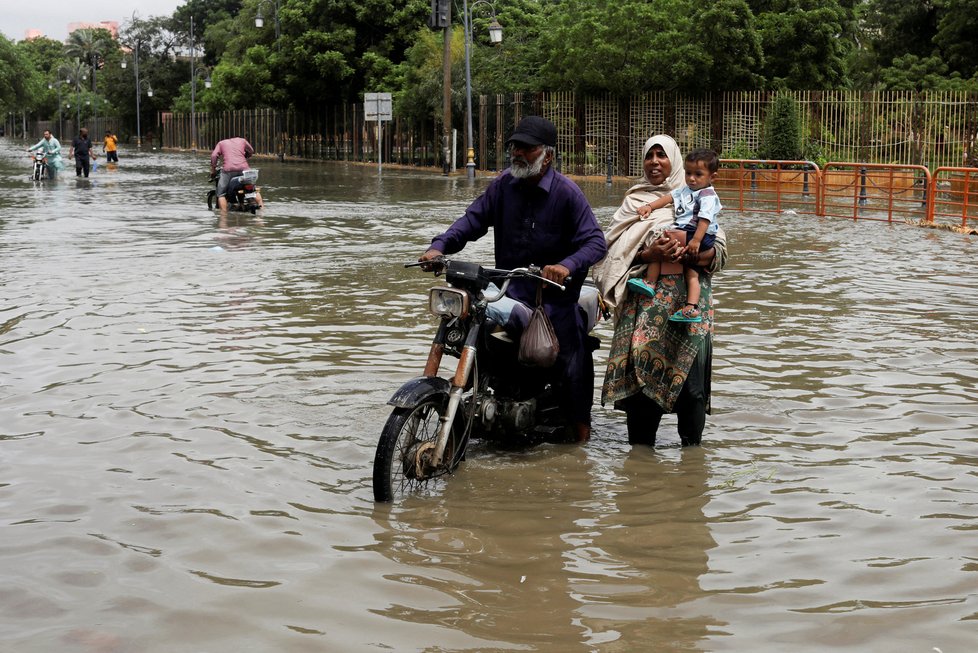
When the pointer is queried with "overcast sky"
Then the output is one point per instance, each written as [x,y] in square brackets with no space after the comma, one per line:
[52,16]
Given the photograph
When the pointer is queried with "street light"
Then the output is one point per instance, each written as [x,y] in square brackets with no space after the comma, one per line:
[496,37]
[260,19]
[259,23]
[193,89]
[149,93]
[61,119]
[67,70]
[203,70]
[94,56]
[135,70]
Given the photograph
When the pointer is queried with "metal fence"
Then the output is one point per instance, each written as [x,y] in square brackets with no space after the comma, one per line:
[602,135]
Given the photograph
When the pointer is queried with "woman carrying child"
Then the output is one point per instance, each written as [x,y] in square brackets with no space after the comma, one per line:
[656,366]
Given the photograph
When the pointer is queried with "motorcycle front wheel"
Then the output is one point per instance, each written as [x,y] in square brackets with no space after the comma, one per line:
[211,200]
[401,464]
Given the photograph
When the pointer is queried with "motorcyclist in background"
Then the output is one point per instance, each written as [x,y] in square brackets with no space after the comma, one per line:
[234,154]
[52,149]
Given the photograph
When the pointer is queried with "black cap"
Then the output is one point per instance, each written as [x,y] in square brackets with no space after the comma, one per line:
[534,130]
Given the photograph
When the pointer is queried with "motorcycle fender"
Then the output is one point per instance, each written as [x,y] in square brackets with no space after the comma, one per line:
[416,389]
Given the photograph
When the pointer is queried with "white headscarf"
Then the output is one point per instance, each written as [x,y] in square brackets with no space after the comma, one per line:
[628,231]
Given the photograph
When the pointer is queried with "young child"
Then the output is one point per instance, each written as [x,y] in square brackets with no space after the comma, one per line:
[697,207]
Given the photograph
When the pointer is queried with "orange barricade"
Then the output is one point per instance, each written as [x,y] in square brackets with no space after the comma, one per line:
[769,186]
[875,191]
[954,196]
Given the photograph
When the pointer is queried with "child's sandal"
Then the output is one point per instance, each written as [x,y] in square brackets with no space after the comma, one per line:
[688,313]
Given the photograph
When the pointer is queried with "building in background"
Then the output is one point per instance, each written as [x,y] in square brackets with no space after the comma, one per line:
[111,25]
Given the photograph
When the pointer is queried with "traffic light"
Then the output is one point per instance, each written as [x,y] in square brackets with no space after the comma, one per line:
[439,14]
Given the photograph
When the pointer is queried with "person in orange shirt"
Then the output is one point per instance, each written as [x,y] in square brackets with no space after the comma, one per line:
[110,148]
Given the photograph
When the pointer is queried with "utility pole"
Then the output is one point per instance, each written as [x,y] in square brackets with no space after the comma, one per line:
[445,9]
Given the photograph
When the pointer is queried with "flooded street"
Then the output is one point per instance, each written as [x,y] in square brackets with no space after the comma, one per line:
[189,411]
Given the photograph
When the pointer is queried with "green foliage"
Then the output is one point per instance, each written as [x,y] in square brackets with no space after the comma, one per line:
[730,45]
[19,83]
[815,153]
[781,131]
[739,151]
[331,51]
[422,94]
[893,28]
[913,73]
[957,31]
[327,53]
[802,48]
[619,46]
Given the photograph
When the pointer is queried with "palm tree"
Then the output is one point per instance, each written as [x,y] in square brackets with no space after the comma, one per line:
[74,72]
[88,45]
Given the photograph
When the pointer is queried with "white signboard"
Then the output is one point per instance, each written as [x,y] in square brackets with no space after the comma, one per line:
[377,106]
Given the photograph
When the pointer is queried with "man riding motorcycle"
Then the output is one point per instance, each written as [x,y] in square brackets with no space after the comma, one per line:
[234,154]
[540,217]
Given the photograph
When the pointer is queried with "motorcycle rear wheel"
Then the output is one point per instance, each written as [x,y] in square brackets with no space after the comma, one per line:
[403,442]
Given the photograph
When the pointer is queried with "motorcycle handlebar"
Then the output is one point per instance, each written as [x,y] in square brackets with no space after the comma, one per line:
[438,265]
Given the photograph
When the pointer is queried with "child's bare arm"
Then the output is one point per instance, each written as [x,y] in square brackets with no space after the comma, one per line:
[663,201]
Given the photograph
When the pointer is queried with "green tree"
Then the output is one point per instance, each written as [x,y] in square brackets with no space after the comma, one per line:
[619,46]
[957,33]
[726,33]
[901,27]
[163,65]
[20,85]
[327,52]
[421,93]
[91,46]
[515,64]
[43,56]
[913,73]
[802,42]
[213,23]
[781,132]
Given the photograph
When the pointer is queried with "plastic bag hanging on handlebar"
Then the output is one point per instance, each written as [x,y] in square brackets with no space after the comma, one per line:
[538,344]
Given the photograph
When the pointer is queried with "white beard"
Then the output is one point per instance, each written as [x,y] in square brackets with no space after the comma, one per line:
[522,169]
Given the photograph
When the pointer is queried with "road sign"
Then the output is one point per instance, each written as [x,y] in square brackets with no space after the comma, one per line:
[377,106]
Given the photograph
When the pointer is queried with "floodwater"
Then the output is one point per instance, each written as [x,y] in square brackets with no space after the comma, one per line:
[189,410]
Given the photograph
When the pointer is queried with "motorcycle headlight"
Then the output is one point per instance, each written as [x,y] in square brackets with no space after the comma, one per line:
[448,302]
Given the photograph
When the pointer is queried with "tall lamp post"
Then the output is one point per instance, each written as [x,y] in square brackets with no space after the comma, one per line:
[495,36]
[260,19]
[259,23]
[203,70]
[149,93]
[135,70]
[78,101]
[61,119]
[94,57]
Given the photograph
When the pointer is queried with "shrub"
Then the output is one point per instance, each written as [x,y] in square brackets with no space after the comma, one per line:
[781,133]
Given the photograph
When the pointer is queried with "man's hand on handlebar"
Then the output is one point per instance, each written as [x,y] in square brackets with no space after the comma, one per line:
[556,273]
[431,260]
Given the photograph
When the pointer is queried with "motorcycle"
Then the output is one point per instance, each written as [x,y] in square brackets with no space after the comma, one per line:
[241,193]
[489,394]
[40,170]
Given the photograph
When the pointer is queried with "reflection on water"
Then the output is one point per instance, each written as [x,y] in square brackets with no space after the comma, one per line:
[190,408]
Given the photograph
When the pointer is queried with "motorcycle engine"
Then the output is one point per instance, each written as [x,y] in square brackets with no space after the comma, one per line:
[517,415]
[506,415]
